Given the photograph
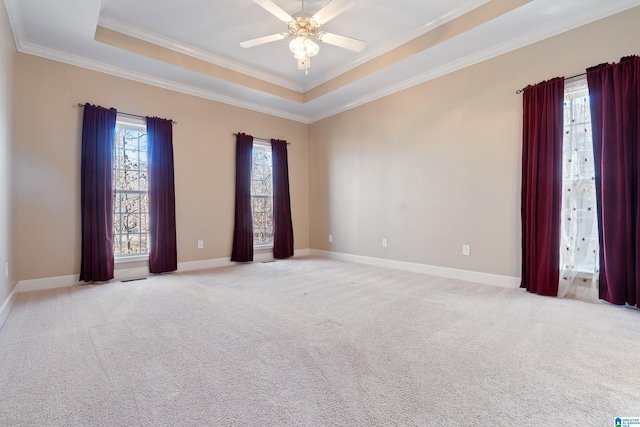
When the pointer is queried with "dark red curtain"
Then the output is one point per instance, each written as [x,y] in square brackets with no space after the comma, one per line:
[542,186]
[614,91]
[243,229]
[282,225]
[163,256]
[96,193]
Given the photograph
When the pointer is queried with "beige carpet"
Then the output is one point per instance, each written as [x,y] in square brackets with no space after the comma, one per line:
[314,342]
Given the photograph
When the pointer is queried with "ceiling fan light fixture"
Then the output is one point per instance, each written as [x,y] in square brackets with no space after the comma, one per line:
[303,48]
[311,48]
[303,28]
[297,47]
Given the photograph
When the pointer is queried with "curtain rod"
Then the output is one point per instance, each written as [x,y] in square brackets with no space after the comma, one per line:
[261,139]
[130,114]
[519,91]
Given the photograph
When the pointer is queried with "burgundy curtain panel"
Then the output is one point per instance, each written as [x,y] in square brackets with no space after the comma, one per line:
[282,225]
[542,186]
[96,193]
[163,256]
[614,90]
[243,228]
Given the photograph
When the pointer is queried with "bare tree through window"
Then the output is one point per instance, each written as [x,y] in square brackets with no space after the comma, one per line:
[261,195]
[130,198]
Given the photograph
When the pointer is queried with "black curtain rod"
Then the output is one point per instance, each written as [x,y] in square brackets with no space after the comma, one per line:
[519,91]
[130,115]
[261,139]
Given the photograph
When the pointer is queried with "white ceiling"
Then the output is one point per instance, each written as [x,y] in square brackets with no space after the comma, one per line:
[211,30]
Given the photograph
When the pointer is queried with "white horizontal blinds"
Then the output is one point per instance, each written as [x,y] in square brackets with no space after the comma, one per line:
[579,248]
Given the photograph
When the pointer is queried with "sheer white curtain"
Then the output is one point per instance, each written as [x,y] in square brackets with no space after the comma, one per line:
[579,249]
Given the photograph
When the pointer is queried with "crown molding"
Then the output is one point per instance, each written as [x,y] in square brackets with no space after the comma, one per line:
[15,21]
[397,42]
[484,55]
[157,39]
[577,20]
[151,37]
[101,67]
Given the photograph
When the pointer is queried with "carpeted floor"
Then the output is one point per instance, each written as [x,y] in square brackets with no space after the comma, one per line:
[314,342]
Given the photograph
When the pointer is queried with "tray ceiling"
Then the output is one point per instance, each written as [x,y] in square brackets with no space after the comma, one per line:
[192,46]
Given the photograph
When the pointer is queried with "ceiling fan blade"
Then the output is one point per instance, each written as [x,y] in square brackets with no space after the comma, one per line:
[341,41]
[263,40]
[331,10]
[275,10]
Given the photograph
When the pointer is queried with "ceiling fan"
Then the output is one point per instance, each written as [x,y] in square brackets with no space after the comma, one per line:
[305,27]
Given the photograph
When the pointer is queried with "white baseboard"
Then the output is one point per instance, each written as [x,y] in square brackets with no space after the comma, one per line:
[130,273]
[74,280]
[47,283]
[138,272]
[302,252]
[258,256]
[6,307]
[220,262]
[449,273]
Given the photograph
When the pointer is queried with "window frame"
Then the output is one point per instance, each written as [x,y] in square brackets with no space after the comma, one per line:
[266,245]
[136,124]
[573,90]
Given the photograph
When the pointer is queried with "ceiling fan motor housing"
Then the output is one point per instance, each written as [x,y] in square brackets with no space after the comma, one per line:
[303,26]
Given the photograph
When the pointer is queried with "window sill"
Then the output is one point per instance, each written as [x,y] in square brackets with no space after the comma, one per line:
[263,248]
[124,259]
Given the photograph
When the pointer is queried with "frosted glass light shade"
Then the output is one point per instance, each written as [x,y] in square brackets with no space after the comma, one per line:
[303,47]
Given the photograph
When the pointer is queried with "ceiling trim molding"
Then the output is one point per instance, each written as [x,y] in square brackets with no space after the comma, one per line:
[398,41]
[15,20]
[467,61]
[165,42]
[462,25]
[101,67]
[577,20]
[170,57]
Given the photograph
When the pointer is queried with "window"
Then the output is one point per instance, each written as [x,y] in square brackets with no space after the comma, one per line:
[130,186]
[579,248]
[262,195]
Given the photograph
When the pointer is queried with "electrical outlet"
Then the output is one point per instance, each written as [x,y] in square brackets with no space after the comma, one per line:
[200,244]
[384,242]
[330,238]
[466,250]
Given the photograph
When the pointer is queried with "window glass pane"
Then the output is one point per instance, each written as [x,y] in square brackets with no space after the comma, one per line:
[144,214]
[131,178]
[131,202]
[261,192]
[579,247]
[268,207]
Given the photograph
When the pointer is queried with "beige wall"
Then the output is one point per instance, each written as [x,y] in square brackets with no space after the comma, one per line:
[7,55]
[430,168]
[47,163]
[438,165]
